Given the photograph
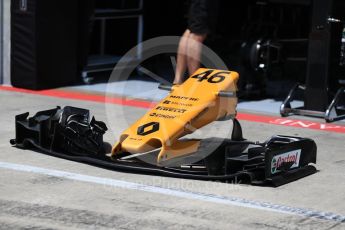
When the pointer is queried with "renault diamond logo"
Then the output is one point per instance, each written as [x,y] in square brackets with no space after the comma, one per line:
[148,128]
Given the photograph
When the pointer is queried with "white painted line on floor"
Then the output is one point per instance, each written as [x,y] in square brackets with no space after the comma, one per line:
[233,201]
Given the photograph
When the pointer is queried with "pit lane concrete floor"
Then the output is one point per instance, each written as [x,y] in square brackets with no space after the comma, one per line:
[37,199]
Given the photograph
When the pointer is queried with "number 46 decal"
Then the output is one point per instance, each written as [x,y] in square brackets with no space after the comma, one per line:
[207,75]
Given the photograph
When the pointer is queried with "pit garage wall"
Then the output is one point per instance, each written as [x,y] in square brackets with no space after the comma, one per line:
[1,24]
[5,41]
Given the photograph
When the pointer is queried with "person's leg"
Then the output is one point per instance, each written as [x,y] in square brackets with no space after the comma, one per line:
[181,63]
[194,49]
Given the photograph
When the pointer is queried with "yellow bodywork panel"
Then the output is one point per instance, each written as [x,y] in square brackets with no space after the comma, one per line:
[206,96]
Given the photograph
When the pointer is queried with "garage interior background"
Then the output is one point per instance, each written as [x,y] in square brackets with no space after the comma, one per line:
[272,43]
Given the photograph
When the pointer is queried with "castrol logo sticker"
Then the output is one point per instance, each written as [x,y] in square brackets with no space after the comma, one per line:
[289,157]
